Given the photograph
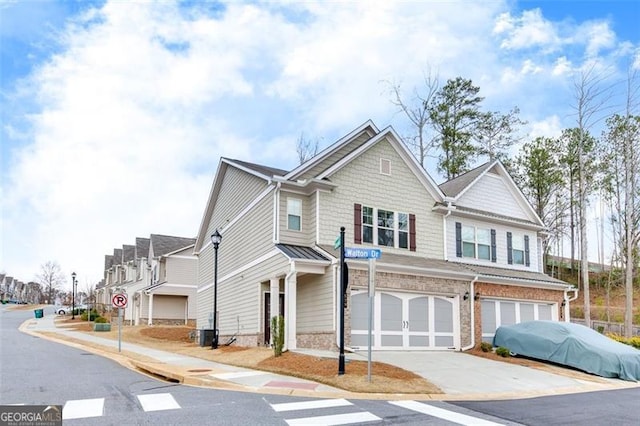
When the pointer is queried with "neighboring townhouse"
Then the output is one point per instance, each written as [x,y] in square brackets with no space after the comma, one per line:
[3,289]
[490,227]
[278,231]
[169,296]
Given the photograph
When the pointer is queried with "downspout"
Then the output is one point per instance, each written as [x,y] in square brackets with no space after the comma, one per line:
[472,300]
[566,300]
[444,230]
[287,312]
[276,214]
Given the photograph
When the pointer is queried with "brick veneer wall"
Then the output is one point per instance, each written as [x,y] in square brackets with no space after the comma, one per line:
[510,292]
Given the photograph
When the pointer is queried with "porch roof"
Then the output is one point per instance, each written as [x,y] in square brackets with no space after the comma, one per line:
[300,252]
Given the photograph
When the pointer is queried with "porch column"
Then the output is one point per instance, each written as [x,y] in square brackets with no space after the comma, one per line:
[150,319]
[274,301]
[290,296]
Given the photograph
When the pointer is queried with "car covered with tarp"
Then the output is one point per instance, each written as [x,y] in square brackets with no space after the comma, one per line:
[573,345]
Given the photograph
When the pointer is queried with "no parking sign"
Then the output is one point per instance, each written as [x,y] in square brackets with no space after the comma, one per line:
[119,300]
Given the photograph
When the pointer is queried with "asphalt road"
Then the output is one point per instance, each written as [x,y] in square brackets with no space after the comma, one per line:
[98,391]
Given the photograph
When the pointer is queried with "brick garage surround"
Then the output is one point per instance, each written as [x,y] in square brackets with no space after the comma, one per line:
[415,284]
[511,292]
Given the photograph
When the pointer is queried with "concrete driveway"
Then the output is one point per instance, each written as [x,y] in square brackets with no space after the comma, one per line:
[458,373]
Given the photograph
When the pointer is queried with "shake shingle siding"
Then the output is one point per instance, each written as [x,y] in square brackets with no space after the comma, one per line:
[361,182]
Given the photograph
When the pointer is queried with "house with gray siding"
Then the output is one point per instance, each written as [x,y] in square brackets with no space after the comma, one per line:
[277,251]
[167,293]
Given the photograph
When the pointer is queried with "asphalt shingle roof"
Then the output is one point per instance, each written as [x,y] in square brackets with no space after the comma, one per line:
[453,187]
[163,244]
[142,248]
[265,170]
[128,252]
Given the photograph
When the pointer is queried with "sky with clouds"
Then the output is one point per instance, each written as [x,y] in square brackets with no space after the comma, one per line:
[115,114]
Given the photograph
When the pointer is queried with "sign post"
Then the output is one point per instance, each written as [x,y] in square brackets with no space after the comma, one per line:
[372,255]
[119,300]
[343,289]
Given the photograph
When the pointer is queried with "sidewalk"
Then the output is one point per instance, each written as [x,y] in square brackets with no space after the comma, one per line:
[460,376]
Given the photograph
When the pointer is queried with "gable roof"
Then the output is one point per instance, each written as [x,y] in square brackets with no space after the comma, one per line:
[164,244]
[260,171]
[457,187]
[392,137]
[142,247]
[128,252]
[453,187]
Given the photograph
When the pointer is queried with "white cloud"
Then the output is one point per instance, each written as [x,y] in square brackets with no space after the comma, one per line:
[130,117]
[529,30]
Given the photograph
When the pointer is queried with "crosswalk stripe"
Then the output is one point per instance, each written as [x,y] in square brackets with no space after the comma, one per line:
[158,402]
[83,408]
[441,413]
[307,405]
[337,419]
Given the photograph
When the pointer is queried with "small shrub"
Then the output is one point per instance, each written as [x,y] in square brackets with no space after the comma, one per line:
[632,341]
[600,329]
[486,346]
[503,352]
[101,320]
[94,314]
[277,333]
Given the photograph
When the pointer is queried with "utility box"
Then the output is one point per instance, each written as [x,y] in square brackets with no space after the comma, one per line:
[206,336]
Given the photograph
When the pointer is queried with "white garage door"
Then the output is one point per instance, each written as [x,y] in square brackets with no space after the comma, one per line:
[506,312]
[405,321]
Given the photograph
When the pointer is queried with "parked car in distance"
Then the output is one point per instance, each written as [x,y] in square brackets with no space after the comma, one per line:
[63,310]
[573,345]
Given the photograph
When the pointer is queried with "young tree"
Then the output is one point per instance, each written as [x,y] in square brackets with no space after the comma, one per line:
[51,278]
[454,113]
[417,111]
[496,133]
[540,176]
[621,157]
[591,97]
[306,148]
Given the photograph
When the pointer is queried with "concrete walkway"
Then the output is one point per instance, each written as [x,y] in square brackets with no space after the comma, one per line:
[459,375]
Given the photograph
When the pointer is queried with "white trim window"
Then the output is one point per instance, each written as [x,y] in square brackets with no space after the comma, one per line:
[294,214]
[387,228]
[517,249]
[476,243]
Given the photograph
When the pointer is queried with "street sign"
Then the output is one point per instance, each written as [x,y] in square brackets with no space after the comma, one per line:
[119,300]
[337,243]
[362,253]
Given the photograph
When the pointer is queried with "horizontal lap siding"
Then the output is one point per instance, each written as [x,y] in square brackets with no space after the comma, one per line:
[182,271]
[238,294]
[493,187]
[169,307]
[315,303]
[237,191]
[306,235]
[239,298]
[501,244]
[361,182]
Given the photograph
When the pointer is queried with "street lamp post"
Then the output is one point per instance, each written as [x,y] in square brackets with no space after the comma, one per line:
[216,238]
[73,295]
